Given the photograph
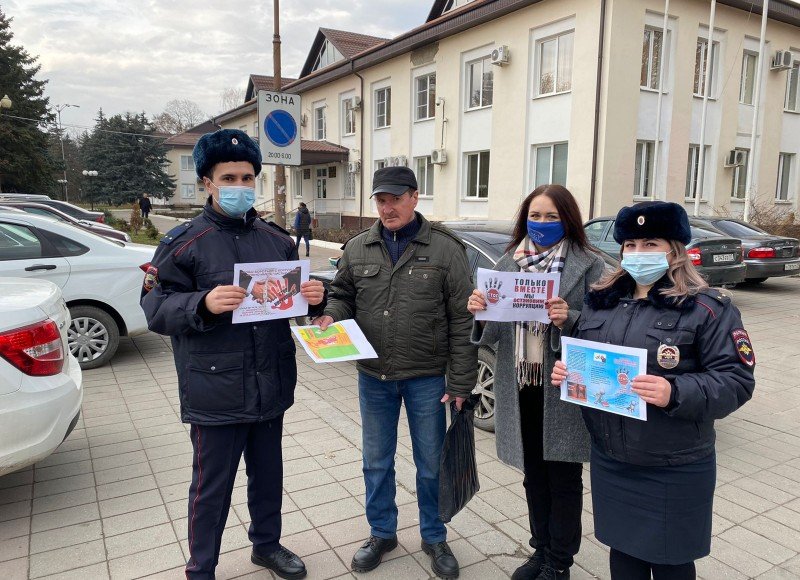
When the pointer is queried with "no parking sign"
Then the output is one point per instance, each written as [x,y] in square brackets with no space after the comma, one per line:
[279,126]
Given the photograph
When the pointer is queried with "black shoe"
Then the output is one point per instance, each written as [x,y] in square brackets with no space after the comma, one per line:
[284,562]
[531,569]
[443,562]
[550,573]
[368,557]
[306,254]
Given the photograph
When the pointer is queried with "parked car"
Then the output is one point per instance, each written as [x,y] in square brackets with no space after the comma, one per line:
[717,256]
[40,383]
[75,211]
[22,196]
[101,279]
[765,255]
[49,211]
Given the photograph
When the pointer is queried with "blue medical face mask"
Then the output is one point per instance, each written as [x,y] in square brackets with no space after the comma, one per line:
[235,200]
[645,267]
[545,234]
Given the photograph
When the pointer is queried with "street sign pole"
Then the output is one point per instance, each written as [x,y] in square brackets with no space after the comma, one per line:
[280,171]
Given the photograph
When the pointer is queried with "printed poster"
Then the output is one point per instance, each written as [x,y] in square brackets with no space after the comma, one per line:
[599,376]
[273,290]
[516,296]
[341,341]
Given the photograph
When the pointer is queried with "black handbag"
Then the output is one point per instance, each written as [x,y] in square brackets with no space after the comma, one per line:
[458,469]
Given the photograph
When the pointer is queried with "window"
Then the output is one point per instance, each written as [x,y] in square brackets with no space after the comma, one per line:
[424,171]
[426,97]
[255,130]
[643,178]
[792,80]
[349,116]
[319,123]
[551,164]
[555,64]
[693,170]
[18,243]
[297,182]
[64,246]
[349,185]
[748,81]
[784,173]
[700,76]
[187,163]
[651,58]
[327,55]
[380,164]
[187,190]
[478,175]
[480,84]
[740,176]
[594,231]
[306,174]
[322,183]
[383,107]
[332,172]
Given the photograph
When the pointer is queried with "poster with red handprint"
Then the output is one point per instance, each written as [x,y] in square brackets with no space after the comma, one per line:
[273,290]
[516,296]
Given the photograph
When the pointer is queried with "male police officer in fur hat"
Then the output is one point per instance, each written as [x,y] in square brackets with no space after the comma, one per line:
[235,380]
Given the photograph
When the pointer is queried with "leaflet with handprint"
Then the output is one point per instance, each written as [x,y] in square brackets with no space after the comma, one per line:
[516,296]
[273,290]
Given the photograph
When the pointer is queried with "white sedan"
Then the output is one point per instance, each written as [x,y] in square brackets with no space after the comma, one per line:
[40,383]
[101,279]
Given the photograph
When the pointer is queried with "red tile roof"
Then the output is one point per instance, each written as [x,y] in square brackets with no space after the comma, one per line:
[351,43]
[322,147]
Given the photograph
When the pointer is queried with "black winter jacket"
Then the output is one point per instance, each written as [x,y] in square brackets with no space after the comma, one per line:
[713,378]
[227,373]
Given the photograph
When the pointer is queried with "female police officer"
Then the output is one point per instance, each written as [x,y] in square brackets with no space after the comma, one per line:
[653,481]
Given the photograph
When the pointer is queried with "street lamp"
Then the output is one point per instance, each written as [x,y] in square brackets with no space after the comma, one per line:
[5,103]
[60,108]
[90,173]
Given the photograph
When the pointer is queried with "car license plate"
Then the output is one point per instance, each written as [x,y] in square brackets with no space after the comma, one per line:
[792,267]
[724,258]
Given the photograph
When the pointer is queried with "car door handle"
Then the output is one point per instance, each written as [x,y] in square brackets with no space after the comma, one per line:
[36,267]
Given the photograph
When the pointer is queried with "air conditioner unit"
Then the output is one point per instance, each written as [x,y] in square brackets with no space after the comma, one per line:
[438,156]
[354,167]
[355,103]
[734,158]
[783,60]
[501,55]
[400,161]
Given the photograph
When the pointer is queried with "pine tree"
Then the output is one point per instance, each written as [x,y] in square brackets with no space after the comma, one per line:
[25,164]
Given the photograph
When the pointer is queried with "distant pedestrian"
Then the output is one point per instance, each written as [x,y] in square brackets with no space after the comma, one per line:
[302,226]
[145,206]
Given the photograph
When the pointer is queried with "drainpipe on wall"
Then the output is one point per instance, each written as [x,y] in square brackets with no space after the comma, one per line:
[361,151]
[661,69]
[752,158]
[596,138]
[701,173]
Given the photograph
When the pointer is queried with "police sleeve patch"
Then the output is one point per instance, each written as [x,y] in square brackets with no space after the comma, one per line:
[150,278]
[744,348]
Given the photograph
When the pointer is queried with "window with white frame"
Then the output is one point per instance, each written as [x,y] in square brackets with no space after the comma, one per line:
[187,190]
[792,92]
[701,76]
[255,130]
[748,79]
[297,185]
[643,169]
[551,164]
[739,181]
[785,161]
[555,64]
[187,163]
[383,107]
[327,55]
[477,175]
[651,58]
[693,173]
[349,116]
[319,123]
[480,84]
[380,164]
[322,183]
[423,168]
[349,185]
[425,97]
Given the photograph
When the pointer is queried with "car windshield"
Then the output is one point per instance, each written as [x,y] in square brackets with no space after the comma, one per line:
[739,229]
[698,232]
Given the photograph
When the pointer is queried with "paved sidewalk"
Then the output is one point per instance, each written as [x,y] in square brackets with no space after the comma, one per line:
[111,502]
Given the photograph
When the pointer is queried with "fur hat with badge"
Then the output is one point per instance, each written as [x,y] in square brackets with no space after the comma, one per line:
[653,219]
[223,146]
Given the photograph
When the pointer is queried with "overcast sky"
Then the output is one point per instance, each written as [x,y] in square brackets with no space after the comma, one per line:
[136,55]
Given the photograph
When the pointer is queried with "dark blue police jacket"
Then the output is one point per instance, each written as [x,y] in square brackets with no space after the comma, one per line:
[227,373]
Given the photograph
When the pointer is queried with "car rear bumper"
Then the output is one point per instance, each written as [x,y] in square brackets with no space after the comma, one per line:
[724,275]
[772,268]
[35,419]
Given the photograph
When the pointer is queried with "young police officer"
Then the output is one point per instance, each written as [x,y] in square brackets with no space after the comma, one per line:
[235,380]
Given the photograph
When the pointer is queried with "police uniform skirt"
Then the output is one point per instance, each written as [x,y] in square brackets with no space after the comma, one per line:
[658,514]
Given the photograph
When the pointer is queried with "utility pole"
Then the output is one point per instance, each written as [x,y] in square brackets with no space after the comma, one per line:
[64,181]
[280,170]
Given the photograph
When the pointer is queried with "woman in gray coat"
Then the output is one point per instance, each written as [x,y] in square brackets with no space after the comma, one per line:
[535,430]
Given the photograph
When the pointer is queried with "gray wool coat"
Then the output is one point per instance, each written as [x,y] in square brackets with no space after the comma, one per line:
[565,434]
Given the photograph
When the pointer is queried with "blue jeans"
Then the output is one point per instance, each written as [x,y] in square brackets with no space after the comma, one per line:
[380,411]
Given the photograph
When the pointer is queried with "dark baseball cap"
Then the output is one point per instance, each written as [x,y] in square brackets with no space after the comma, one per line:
[394,180]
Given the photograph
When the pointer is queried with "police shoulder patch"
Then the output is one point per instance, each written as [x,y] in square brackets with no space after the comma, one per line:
[743,346]
[176,232]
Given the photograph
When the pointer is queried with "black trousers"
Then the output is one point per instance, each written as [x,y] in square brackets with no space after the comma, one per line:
[305,237]
[554,489]
[217,451]
[625,567]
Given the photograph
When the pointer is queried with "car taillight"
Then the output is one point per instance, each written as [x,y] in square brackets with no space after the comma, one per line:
[145,267]
[761,253]
[694,256]
[101,219]
[36,350]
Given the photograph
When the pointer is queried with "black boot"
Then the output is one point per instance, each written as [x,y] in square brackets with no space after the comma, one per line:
[443,562]
[368,557]
[284,562]
[531,569]
[550,573]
